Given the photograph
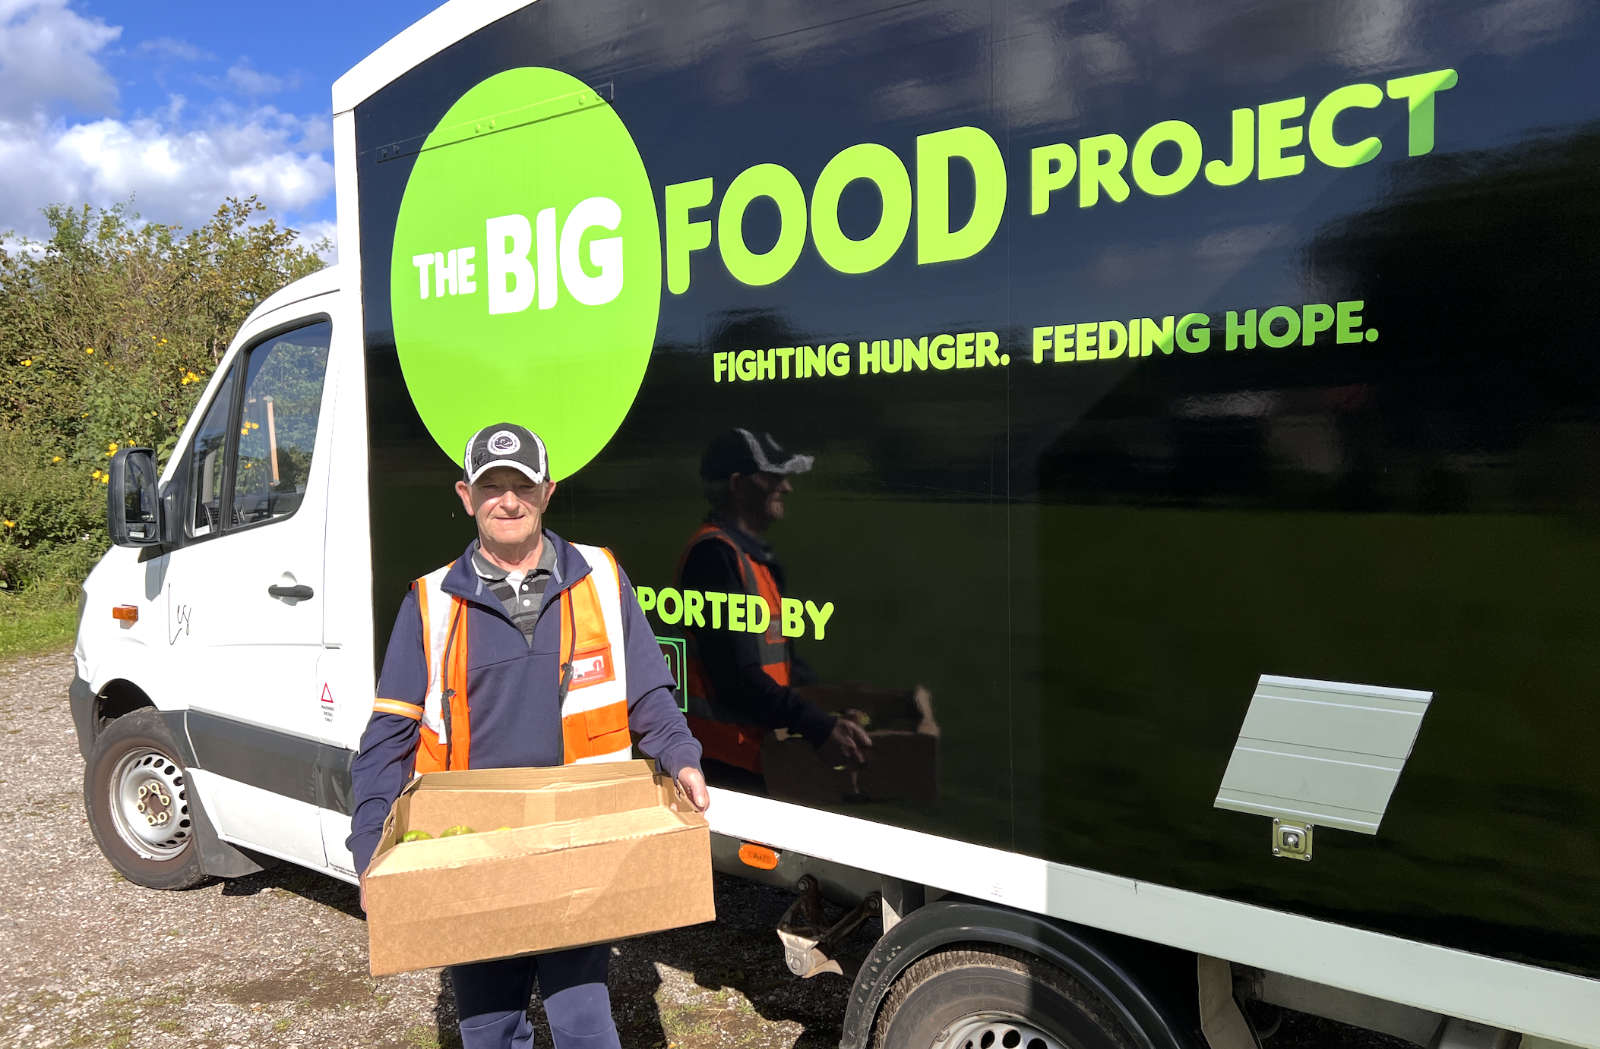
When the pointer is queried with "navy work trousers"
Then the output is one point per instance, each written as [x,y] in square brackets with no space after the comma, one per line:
[492,1000]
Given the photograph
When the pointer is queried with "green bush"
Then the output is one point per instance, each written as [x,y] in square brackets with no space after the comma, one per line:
[55,512]
[109,329]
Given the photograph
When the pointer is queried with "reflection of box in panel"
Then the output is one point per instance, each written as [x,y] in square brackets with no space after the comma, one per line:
[902,764]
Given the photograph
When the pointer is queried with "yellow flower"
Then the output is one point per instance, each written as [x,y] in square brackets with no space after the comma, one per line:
[27,362]
[57,459]
[95,476]
[11,524]
[88,349]
[112,447]
[105,478]
[163,342]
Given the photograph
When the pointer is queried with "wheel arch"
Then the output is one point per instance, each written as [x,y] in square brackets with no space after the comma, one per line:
[1150,987]
[93,709]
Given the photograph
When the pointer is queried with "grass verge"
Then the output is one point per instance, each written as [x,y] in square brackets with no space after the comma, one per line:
[37,620]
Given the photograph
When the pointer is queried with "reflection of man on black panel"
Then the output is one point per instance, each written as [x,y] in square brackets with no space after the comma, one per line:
[741,685]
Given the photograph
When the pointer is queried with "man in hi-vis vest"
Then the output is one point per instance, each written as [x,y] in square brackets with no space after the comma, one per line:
[524,651]
[740,685]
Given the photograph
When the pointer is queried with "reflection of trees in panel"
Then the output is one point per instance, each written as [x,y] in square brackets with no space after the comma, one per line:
[1484,266]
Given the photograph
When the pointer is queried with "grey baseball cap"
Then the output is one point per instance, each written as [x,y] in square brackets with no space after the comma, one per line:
[506,444]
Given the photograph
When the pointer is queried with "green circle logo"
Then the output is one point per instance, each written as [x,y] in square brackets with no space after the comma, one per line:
[526,274]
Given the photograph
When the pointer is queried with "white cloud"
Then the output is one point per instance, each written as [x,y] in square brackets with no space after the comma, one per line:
[47,57]
[173,175]
[255,83]
[62,141]
[172,48]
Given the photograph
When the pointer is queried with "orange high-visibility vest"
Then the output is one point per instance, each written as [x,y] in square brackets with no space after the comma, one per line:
[594,714]
[721,734]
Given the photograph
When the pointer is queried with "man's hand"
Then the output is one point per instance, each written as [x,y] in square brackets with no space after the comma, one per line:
[847,744]
[694,785]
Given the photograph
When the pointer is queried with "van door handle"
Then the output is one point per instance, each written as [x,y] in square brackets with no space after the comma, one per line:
[300,592]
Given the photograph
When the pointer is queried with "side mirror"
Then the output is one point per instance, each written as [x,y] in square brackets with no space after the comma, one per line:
[133,506]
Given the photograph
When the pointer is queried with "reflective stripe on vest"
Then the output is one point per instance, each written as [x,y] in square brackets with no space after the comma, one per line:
[594,713]
[723,737]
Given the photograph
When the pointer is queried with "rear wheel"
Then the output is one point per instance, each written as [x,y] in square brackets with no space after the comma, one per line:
[136,793]
[994,998]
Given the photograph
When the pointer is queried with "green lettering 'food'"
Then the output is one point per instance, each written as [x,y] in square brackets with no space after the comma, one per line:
[878,165]
[936,241]
[684,234]
[779,185]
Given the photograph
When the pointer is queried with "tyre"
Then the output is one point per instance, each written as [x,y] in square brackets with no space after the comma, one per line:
[136,793]
[994,998]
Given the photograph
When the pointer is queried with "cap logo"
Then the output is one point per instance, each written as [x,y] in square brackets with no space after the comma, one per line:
[504,442]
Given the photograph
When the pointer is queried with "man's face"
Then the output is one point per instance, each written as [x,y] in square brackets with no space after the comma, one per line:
[508,507]
[759,497]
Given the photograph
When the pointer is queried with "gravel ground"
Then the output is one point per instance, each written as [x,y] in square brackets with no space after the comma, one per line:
[278,959]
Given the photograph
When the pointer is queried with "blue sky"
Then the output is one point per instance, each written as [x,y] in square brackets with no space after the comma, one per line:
[178,103]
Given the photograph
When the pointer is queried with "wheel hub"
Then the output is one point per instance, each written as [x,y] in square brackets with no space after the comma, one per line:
[996,1031]
[149,803]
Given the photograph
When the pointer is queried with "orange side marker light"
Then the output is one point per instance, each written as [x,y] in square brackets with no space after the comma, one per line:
[758,856]
[125,613]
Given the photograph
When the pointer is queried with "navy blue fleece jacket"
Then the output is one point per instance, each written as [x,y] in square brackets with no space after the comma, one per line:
[511,693]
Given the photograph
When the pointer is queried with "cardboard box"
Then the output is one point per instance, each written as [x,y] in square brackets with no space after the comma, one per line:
[903,764]
[591,853]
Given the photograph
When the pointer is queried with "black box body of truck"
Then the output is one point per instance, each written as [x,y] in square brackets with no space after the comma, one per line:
[1089,559]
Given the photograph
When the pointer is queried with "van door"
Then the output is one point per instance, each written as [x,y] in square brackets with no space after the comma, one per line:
[245,589]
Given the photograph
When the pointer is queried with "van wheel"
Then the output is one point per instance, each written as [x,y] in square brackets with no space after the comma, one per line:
[993,998]
[136,793]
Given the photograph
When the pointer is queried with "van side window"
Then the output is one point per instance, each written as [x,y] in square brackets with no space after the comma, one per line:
[207,461]
[277,426]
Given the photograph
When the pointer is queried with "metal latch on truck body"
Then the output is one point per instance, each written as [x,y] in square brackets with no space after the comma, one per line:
[1320,753]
